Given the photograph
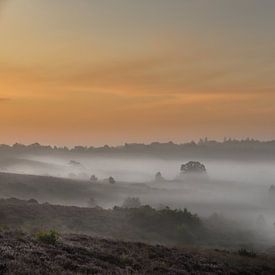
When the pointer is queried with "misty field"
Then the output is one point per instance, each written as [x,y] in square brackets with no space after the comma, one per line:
[222,204]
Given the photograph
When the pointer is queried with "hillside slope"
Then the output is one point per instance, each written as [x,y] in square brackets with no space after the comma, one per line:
[80,254]
[145,224]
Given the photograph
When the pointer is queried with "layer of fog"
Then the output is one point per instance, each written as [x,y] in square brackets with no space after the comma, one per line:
[142,169]
[237,190]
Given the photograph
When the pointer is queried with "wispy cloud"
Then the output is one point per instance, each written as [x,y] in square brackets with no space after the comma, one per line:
[2,99]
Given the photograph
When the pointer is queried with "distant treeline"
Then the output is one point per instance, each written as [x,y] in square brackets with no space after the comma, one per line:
[228,148]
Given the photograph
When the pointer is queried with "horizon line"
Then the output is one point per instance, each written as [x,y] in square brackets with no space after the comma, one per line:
[201,140]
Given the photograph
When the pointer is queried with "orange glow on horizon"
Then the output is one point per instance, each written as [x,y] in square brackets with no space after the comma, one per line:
[75,79]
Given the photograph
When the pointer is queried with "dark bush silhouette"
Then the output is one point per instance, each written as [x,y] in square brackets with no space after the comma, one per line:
[247,253]
[93,178]
[192,167]
[159,177]
[272,190]
[111,180]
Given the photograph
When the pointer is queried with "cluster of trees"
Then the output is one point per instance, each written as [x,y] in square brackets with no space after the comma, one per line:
[180,226]
[207,148]
[110,180]
[191,167]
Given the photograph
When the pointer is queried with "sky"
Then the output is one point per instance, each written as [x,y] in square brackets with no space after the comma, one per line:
[97,72]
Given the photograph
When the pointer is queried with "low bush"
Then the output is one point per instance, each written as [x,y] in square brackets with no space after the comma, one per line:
[48,237]
[246,253]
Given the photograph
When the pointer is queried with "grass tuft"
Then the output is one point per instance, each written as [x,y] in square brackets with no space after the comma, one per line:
[48,237]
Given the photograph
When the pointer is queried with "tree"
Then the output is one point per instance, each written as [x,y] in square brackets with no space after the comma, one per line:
[159,177]
[93,178]
[112,180]
[192,167]
[272,190]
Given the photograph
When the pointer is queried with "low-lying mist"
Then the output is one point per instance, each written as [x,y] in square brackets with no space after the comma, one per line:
[140,169]
[238,191]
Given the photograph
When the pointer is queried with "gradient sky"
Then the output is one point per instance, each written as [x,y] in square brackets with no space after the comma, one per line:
[114,71]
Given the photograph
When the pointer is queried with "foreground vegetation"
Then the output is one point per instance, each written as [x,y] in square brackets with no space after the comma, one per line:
[79,254]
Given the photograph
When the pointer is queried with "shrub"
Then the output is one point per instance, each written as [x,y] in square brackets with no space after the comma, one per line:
[48,237]
[246,253]
[93,178]
[111,180]
[159,177]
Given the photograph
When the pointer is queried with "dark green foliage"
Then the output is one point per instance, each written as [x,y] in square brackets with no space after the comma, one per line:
[177,226]
[48,237]
[166,218]
[193,167]
[146,224]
